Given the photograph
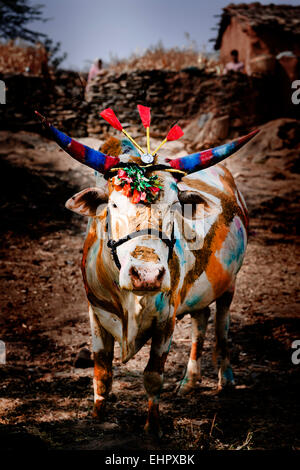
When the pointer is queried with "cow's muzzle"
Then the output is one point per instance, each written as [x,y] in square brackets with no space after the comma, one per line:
[146,279]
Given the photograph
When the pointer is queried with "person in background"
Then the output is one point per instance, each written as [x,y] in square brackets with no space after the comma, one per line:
[235,65]
[95,69]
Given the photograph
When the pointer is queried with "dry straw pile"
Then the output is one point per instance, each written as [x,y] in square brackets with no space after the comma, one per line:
[159,58]
[22,58]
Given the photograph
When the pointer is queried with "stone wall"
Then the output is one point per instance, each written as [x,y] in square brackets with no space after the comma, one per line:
[173,96]
[59,97]
[181,96]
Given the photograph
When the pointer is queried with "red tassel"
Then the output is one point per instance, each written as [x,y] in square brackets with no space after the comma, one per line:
[175,133]
[111,118]
[144,115]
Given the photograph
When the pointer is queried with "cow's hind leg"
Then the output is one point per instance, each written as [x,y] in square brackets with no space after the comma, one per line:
[225,374]
[153,374]
[103,349]
[193,370]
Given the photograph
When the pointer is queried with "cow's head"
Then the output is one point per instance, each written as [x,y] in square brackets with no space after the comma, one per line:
[139,232]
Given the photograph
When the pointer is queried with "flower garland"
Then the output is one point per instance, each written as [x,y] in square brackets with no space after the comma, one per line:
[133,183]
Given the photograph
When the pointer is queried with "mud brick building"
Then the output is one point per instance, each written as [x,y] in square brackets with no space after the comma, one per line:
[261,34]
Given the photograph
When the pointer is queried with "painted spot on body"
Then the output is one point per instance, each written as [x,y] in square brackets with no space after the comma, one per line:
[160,302]
[240,249]
[235,254]
[227,324]
[193,301]
[216,274]
[228,374]
[193,354]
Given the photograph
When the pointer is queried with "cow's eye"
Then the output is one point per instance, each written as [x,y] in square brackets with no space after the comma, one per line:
[114,205]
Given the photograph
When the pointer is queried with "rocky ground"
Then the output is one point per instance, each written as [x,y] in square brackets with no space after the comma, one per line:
[46,401]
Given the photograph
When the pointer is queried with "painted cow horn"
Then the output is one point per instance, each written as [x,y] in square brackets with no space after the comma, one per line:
[82,153]
[206,158]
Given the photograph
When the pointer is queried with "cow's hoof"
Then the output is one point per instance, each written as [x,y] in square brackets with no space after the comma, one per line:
[185,386]
[153,431]
[225,388]
[99,410]
[182,390]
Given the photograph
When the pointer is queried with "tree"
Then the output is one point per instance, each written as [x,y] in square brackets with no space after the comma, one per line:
[15,15]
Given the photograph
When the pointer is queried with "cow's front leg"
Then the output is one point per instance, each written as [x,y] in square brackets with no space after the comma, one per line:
[103,349]
[153,374]
[225,374]
[193,370]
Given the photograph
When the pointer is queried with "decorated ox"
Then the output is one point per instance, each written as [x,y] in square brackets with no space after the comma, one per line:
[146,261]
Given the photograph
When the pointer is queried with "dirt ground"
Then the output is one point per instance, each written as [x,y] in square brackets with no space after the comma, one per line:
[46,402]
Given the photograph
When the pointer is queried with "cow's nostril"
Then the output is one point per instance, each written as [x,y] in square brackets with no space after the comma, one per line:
[134,273]
[146,278]
[161,274]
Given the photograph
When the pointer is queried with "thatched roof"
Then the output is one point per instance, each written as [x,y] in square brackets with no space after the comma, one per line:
[282,19]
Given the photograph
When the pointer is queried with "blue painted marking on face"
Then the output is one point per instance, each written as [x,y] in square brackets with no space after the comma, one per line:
[193,301]
[129,148]
[179,247]
[160,302]
[173,186]
[228,374]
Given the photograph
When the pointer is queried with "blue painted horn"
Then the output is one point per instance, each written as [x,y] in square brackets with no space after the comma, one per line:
[206,158]
[82,153]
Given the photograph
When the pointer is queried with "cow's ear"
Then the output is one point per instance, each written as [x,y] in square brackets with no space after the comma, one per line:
[88,201]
